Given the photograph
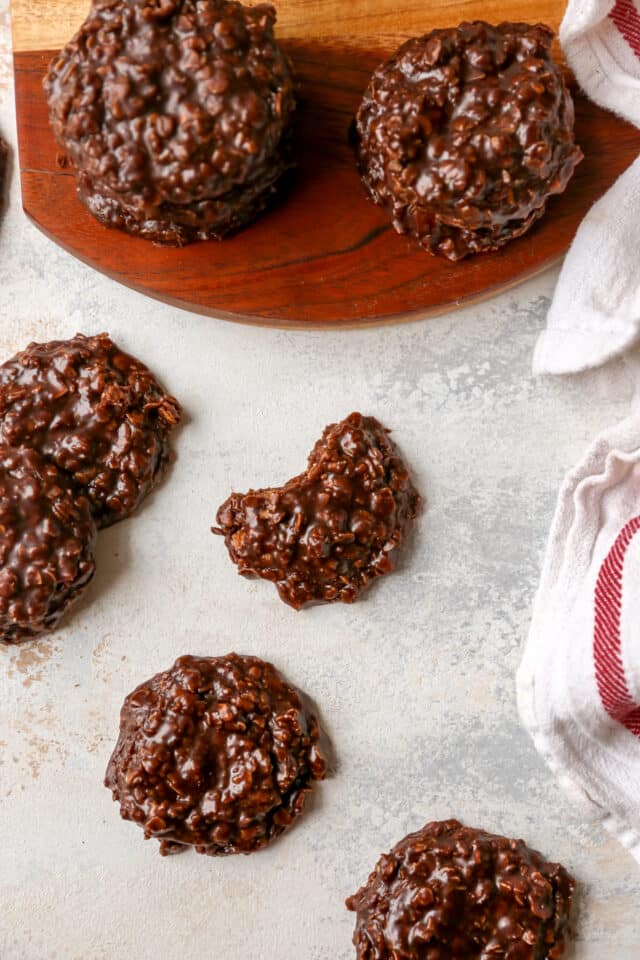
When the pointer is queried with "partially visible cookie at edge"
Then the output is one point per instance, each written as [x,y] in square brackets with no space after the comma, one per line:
[448,892]
[96,412]
[327,533]
[47,539]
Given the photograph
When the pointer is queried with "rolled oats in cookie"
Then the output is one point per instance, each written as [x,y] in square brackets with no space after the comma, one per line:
[177,115]
[323,536]
[94,411]
[47,538]
[217,753]
[449,892]
[465,133]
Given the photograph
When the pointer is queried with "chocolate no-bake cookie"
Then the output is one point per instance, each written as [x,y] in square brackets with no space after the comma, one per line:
[177,115]
[465,133]
[215,753]
[47,537]
[96,412]
[323,536]
[449,892]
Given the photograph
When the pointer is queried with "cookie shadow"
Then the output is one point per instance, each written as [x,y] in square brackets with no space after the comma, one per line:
[325,742]
[167,472]
[315,801]
[113,554]
[404,556]
[6,178]
[115,545]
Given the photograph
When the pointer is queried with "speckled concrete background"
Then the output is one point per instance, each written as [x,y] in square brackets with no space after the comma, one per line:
[415,685]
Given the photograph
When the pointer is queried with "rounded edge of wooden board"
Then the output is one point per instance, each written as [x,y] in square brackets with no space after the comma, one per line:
[301,324]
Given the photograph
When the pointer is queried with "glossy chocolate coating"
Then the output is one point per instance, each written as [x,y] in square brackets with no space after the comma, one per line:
[465,133]
[327,533]
[215,753]
[47,538]
[96,412]
[177,115]
[450,892]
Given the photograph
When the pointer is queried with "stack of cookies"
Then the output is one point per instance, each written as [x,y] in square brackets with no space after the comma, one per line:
[84,434]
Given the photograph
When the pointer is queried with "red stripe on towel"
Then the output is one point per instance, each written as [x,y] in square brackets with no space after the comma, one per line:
[627,20]
[607,643]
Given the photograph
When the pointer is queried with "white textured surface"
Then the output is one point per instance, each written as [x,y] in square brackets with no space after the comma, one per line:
[414,684]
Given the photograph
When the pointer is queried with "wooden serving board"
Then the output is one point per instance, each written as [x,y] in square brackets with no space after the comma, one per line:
[325,256]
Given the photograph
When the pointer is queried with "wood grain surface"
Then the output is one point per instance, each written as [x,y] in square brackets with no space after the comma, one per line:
[48,24]
[325,255]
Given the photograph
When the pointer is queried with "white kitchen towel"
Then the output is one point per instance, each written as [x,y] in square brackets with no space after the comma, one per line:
[595,312]
[579,681]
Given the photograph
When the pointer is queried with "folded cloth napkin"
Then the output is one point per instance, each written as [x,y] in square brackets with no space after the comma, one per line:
[579,681]
[595,312]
